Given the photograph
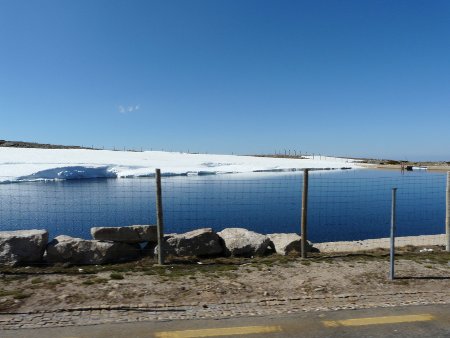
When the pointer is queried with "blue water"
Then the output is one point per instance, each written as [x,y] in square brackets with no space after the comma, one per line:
[344,205]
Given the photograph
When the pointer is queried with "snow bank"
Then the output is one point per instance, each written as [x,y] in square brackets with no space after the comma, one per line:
[24,164]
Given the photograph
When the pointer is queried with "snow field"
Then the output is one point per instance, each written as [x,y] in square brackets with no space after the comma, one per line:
[26,164]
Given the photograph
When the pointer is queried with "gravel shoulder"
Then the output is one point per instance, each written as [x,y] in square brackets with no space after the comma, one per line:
[219,288]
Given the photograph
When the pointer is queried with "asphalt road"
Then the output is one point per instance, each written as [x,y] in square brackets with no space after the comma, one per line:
[411,321]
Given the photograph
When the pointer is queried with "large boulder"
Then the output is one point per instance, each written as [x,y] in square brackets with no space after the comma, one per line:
[128,234]
[66,249]
[243,242]
[22,247]
[200,242]
[287,243]
[151,248]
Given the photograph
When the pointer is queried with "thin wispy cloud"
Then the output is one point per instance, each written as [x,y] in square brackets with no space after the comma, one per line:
[128,109]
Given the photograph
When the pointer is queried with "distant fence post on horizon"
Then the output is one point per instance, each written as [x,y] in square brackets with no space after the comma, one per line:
[159,217]
[304,222]
[447,214]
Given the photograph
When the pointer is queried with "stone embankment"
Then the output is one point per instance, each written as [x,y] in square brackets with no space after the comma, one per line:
[119,244]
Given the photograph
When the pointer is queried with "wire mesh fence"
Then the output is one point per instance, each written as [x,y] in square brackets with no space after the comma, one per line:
[262,204]
[72,207]
[343,205]
[357,207]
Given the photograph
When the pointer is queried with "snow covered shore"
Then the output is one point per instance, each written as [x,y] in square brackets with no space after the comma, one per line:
[24,164]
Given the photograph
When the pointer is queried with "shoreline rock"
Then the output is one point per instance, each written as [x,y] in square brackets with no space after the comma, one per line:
[287,243]
[22,246]
[66,249]
[243,242]
[200,243]
[126,234]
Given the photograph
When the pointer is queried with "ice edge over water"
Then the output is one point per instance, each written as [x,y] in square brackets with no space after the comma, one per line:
[78,173]
[25,165]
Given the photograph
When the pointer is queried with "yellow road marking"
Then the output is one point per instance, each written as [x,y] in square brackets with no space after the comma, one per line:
[378,320]
[225,331]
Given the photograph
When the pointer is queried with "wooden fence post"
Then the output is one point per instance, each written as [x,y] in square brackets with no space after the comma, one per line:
[393,233]
[304,239]
[159,218]
[447,214]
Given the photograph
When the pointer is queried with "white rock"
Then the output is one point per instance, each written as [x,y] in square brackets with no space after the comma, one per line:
[126,234]
[243,242]
[65,249]
[200,242]
[286,243]
[22,247]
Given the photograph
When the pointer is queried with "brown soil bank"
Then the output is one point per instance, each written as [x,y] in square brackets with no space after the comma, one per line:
[430,166]
[21,144]
[226,286]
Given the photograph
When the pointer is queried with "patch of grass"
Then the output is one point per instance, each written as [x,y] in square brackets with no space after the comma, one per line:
[95,281]
[188,270]
[56,282]
[392,162]
[229,275]
[21,295]
[4,293]
[16,294]
[116,276]
[88,282]
[40,283]
[119,269]
[223,268]
[8,279]
[188,267]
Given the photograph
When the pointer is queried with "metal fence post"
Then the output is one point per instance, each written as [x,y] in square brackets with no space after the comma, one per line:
[447,214]
[304,243]
[393,228]
[159,217]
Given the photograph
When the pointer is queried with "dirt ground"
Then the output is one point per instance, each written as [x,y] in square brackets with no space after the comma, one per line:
[213,281]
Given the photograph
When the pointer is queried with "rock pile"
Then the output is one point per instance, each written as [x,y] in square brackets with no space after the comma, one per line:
[119,244]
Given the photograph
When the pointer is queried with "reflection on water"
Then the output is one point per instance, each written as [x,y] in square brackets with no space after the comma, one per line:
[344,205]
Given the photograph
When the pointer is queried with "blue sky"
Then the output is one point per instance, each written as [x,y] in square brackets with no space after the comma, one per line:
[352,78]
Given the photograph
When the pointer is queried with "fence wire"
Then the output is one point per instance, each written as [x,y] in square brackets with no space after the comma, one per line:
[343,205]
[72,207]
[262,204]
[357,206]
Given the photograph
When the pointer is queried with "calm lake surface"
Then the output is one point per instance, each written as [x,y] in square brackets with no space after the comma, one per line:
[343,205]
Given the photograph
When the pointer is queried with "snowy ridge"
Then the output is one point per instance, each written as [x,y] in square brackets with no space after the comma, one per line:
[24,164]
